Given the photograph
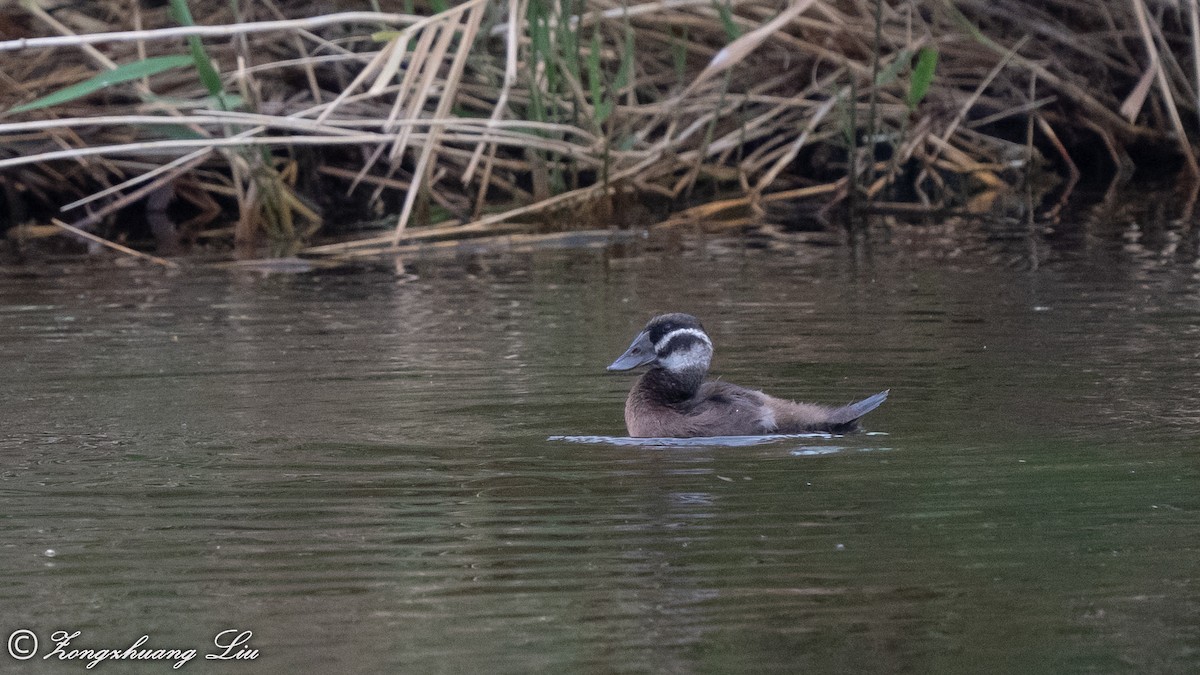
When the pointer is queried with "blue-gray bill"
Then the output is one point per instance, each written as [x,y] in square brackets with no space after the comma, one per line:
[639,353]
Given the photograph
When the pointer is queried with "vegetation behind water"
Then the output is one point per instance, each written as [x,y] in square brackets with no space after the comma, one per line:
[492,117]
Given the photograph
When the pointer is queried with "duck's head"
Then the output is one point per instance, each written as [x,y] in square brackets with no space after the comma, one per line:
[675,343]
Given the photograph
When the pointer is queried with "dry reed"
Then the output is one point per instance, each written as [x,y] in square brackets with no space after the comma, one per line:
[499,114]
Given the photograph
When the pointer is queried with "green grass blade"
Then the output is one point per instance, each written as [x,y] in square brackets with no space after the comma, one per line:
[208,75]
[731,29]
[922,76]
[568,43]
[125,73]
[679,53]
[626,67]
[539,42]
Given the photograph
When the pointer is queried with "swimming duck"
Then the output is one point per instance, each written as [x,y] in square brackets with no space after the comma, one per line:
[673,400]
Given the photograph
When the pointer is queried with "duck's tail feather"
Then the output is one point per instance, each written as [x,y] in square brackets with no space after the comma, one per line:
[849,414]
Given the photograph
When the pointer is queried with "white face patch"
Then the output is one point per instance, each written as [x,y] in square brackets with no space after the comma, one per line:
[696,357]
[666,339]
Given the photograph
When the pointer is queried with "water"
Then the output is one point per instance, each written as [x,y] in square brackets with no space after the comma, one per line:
[369,473]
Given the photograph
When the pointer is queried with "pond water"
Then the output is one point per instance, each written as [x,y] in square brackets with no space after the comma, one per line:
[360,468]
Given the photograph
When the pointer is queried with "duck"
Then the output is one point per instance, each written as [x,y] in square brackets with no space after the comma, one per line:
[673,398]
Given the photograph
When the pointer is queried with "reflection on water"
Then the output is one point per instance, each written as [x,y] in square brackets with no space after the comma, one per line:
[715,441]
[377,475]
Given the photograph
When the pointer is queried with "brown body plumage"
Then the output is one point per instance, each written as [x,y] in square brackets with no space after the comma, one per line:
[673,399]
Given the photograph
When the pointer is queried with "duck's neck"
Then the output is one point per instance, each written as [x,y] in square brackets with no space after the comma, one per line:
[673,386]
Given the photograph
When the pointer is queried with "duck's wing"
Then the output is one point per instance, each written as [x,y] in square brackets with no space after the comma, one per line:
[724,409]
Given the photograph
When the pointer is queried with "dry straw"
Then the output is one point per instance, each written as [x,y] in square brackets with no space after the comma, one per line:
[486,117]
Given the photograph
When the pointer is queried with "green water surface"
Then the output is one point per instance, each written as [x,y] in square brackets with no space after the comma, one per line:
[357,468]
